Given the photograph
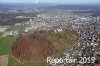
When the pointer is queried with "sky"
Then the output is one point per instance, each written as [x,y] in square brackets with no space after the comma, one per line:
[52,1]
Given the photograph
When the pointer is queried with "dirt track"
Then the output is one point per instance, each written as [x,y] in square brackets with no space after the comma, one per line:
[4,60]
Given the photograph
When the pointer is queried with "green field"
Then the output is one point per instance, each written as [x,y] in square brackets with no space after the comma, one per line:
[11,27]
[1,34]
[5,44]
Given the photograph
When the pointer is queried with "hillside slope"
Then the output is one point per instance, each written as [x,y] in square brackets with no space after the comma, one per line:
[33,49]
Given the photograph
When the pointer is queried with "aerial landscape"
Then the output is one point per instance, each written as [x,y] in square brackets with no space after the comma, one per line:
[49,33]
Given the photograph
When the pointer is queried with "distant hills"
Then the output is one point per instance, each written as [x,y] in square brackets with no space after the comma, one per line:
[47,6]
[74,7]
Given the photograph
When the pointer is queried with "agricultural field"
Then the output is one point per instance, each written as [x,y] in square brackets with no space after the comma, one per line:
[1,34]
[5,44]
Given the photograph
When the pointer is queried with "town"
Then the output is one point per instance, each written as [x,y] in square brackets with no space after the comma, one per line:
[41,24]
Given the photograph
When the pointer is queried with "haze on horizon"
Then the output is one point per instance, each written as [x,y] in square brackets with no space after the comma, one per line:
[53,1]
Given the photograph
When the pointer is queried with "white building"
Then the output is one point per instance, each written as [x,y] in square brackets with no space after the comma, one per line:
[58,30]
